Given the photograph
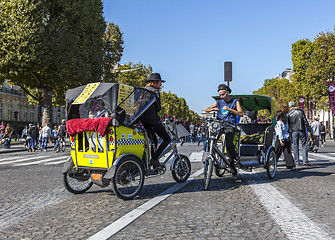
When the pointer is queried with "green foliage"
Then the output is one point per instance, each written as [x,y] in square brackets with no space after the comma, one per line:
[134,77]
[51,45]
[113,49]
[280,92]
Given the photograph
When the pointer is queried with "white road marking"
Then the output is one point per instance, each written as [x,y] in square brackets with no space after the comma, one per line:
[122,222]
[53,163]
[21,160]
[6,159]
[41,161]
[196,157]
[294,223]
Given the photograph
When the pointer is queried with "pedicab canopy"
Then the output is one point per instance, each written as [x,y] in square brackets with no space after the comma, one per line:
[251,102]
[110,102]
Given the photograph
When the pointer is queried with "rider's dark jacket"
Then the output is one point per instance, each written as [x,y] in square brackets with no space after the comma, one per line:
[297,120]
[150,116]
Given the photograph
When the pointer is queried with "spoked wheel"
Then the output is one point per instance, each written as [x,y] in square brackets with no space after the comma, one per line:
[219,171]
[208,169]
[57,147]
[271,164]
[129,178]
[181,168]
[78,182]
[63,146]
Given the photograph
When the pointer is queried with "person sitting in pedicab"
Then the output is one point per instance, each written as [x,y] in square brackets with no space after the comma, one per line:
[152,122]
[227,109]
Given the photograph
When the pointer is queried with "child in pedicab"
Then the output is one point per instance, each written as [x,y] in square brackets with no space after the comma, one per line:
[152,122]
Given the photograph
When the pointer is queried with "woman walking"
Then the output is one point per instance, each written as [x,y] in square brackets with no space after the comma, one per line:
[283,143]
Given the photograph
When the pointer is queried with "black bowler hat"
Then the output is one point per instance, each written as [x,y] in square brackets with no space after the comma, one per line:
[155,77]
[224,87]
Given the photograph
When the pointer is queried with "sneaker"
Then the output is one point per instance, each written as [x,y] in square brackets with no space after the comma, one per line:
[307,164]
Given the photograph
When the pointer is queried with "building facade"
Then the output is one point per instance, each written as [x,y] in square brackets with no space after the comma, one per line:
[17,111]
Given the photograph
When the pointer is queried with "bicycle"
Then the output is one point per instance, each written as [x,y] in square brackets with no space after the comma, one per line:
[61,144]
[216,158]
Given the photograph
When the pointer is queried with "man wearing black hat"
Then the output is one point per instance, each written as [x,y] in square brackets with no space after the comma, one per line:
[152,122]
[227,109]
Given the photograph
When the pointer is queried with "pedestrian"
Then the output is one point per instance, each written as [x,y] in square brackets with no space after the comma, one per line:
[24,136]
[227,108]
[283,143]
[29,139]
[54,136]
[323,134]
[202,133]
[34,133]
[46,135]
[315,132]
[298,126]
[9,131]
[2,128]
[192,131]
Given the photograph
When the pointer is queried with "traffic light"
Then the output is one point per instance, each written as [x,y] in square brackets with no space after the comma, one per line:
[228,71]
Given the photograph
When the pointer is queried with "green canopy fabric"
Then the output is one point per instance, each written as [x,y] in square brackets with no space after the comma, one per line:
[251,102]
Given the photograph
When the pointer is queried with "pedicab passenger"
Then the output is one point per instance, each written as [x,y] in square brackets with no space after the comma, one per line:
[227,109]
[152,122]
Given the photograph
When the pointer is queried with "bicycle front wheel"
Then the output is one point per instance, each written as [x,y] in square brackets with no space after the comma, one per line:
[208,169]
[63,146]
[181,168]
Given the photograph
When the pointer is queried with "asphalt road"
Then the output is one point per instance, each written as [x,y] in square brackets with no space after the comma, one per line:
[295,205]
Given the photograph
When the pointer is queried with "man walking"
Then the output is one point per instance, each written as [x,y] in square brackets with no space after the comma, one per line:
[45,134]
[298,126]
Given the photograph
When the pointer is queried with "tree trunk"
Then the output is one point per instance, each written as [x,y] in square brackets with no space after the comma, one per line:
[47,106]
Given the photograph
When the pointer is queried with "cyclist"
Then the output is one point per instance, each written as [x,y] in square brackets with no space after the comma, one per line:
[227,109]
[62,130]
[152,122]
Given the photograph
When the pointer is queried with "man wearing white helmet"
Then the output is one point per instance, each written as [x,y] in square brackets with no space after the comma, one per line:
[62,130]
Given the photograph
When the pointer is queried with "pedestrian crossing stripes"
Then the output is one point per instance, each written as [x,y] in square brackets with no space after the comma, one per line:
[42,160]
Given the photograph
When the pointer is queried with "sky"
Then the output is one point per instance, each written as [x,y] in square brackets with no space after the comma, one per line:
[188,41]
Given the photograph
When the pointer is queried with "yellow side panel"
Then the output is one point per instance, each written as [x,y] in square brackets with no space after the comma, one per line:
[128,140]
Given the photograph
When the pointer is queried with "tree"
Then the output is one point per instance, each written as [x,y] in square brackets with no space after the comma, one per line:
[113,51]
[136,77]
[48,46]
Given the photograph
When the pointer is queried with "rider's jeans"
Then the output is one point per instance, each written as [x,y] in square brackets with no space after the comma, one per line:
[295,139]
[229,136]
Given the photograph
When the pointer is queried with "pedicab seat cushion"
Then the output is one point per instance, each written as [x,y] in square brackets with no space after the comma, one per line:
[99,125]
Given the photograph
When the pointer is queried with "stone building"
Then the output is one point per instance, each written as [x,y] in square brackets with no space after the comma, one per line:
[15,109]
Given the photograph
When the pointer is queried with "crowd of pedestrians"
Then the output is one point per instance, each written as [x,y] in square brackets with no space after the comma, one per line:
[292,128]
[35,137]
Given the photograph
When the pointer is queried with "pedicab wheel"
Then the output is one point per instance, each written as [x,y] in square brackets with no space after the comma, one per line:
[208,169]
[271,164]
[78,182]
[129,178]
[181,168]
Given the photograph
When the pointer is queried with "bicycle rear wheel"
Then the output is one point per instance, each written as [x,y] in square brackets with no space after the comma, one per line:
[208,169]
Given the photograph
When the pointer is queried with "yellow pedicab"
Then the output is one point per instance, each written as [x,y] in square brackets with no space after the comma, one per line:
[109,145]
